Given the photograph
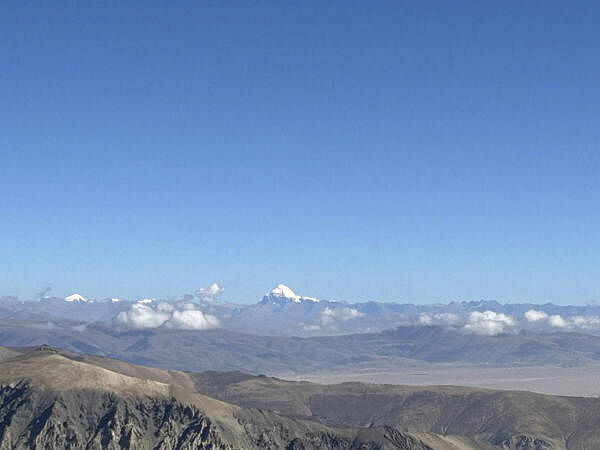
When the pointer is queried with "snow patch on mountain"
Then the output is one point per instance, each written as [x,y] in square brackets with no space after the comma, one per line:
[282,293]
[76,298]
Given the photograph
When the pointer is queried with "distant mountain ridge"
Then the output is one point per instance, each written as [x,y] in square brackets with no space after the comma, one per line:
[218,349]
[283,312]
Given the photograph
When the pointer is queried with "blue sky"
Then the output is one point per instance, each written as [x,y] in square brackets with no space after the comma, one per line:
[422,152]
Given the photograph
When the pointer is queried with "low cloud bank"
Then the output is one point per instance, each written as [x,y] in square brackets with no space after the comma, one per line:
[586,322]
[439,319]
[535,316]
[557,321]
[184,316]
[331,315]
[141,315]
[192,320]
[491,323]
[487,323]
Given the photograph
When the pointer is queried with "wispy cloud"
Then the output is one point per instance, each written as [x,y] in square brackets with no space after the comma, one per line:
[439,319]
[210,293]
[331,315]
[192,320]
[42,293]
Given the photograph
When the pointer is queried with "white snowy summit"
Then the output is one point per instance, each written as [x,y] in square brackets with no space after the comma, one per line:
[76,298]
[282,293]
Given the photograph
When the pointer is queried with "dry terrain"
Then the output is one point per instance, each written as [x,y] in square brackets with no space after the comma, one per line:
[57,399]
[574,381]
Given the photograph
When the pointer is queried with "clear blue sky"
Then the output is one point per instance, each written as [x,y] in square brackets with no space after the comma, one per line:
[407,151]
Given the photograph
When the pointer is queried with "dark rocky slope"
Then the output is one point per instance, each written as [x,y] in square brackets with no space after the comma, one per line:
[338,416]
[51,401]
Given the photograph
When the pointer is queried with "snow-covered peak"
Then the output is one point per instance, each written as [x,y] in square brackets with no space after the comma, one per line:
[282,292]
[77,298]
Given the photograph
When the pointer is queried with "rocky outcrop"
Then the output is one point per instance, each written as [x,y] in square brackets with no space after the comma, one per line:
[33,418]
[38,419]
[50,401]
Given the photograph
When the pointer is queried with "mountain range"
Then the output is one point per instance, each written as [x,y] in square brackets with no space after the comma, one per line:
[283,312]
[219,349]
[56,399]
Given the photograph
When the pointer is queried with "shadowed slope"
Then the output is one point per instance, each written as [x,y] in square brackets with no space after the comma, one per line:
[506,418]
[50,400]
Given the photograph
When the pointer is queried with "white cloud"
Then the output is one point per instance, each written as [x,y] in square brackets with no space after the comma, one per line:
[487,323]
[449,318]
[179,315]
[331,315]
[165,307]
[425,319]
[141,315]
[210,293]
[439,319]
[192,320]
[535,316]
[586,322]
[187,306]
[557,321]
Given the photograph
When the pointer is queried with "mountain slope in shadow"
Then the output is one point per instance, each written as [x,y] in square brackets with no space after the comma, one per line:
[51,400]
[242,407]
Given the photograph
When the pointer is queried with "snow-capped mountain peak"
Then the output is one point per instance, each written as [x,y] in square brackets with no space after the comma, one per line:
[282,290]
[283,293]
[76,298]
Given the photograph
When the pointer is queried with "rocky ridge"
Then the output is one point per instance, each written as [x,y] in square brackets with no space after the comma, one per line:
[52,401]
